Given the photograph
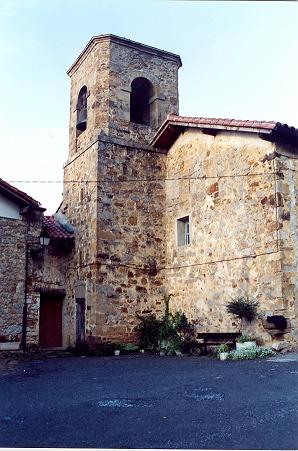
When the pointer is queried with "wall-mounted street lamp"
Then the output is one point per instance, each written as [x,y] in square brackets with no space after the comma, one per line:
[33,249]
[44,239]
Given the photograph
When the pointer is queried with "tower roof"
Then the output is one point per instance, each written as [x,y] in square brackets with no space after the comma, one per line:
[125,42]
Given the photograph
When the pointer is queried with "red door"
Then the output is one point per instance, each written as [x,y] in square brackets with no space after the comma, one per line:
[50,322]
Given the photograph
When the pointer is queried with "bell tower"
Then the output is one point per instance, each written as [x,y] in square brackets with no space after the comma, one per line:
[121,92]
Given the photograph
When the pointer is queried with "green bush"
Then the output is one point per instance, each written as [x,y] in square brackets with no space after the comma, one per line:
[250,354]
[170,345]
[189,345]
[243,308]
[131,347]
[126,348]
[167,334]
[222,348]
[149,332]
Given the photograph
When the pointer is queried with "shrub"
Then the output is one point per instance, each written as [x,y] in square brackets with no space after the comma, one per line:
[243,308]
[222,348]
[167,334]
[189,346]
[131,347]
[250,354]
[149,331]
[170,345]
[126,348]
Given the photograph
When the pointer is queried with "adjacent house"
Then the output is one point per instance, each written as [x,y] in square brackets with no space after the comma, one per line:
[32,286]
[20,228]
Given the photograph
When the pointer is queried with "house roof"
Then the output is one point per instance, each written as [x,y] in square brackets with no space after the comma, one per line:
[18,196]
[125,42]
[55,230]
[174,125]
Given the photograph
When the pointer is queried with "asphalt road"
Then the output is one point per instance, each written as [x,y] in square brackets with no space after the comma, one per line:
[149,402]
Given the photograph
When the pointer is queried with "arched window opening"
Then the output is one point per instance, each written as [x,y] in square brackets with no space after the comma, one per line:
[141,92]
[82,111]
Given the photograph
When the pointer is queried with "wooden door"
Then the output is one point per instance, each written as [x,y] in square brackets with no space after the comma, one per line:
[50,322]
[80,320]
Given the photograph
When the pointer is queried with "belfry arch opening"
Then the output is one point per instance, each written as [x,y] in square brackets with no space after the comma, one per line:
[82,111]
[140,109]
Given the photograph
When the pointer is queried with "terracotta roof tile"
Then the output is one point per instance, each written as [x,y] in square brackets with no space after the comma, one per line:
[270,125]
[54,229]
[174,125]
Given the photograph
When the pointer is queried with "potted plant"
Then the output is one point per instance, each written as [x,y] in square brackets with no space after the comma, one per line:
[130,348]
[118,347]
[245,342]
[223,351]
[243,308]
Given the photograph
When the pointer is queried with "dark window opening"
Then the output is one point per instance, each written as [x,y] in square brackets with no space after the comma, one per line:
[141,92]
[82,111]
[183,231]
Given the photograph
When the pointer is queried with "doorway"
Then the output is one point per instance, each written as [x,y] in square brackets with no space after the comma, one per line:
[50,321]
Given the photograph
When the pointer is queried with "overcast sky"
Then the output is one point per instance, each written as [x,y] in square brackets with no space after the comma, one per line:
[239,61]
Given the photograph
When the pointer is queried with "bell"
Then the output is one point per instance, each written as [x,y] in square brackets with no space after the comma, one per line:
[82,120]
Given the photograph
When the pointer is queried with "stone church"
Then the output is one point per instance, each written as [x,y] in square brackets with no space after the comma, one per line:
[204,209]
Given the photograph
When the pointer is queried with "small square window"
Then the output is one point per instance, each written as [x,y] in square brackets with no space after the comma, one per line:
[183,231]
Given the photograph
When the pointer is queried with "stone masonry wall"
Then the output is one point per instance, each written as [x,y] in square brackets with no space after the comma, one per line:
[118,231]
[12,275]
[287,186]
[15,237]
[56,275]
[119,234]
[126,64]
[94,74]
[228,190]
[35,268]
[80,207]
[130,238]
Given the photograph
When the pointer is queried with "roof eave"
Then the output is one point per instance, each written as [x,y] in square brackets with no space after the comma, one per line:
[180,126]
[19,198]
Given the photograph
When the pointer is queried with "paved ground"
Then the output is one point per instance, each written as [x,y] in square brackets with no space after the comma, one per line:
[149,402]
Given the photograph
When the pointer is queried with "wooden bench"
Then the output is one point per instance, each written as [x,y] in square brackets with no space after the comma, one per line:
[217,338]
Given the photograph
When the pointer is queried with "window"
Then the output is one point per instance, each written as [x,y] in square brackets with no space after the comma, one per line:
[82,111]
[141,92]
[183,231]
